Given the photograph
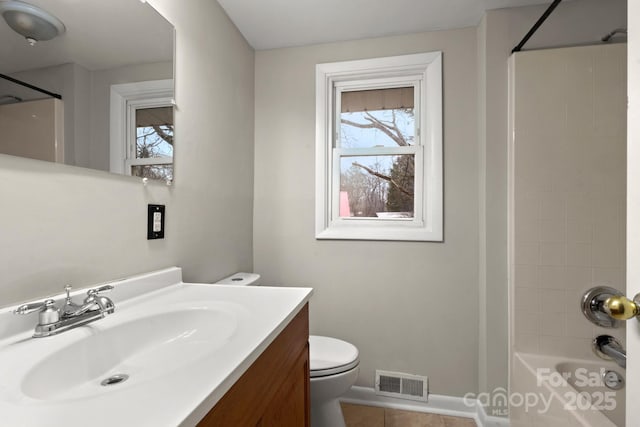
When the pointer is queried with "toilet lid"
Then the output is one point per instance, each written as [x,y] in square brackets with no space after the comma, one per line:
[330,356]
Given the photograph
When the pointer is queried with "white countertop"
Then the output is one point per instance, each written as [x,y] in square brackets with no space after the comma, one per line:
[176,386]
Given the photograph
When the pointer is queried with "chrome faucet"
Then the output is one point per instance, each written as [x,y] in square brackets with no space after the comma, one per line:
[53,320]
[609,348]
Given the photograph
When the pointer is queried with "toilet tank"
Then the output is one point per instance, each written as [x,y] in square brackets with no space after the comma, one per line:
[240,278]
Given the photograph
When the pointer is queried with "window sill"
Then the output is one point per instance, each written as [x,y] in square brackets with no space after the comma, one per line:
[386,233]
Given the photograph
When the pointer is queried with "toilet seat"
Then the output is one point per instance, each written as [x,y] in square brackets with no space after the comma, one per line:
[331,356]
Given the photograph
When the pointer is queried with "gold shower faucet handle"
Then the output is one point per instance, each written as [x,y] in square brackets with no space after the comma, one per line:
[622,308]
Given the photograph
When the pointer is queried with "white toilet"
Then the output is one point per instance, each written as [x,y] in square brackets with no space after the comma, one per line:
[333,365]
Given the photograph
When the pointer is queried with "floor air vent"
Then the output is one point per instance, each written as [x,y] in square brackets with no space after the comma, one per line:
[403,386]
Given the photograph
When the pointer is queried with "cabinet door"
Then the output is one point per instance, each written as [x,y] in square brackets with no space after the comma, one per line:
[288,407]
[274,391]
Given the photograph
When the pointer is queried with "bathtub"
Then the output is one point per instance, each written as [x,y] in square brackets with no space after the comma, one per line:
[558,392]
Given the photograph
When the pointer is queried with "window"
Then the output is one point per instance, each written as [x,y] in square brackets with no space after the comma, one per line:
[379,149]
[142,131]
[150,140]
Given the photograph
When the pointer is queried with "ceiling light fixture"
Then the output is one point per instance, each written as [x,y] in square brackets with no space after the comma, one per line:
[31,22]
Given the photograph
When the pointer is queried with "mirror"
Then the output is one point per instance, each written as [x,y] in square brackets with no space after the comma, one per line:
[105,45]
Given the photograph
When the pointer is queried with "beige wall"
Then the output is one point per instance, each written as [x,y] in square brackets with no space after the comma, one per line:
[63,225]
[391,299]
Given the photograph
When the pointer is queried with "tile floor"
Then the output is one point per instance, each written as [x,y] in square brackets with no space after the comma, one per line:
[371,416]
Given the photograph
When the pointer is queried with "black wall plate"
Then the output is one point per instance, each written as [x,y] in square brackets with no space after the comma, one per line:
[155,222]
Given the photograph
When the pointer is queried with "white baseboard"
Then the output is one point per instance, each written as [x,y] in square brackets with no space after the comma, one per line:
[437,404]
[485,420]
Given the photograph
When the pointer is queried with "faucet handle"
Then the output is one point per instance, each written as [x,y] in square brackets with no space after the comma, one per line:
[621,308]
[48,312]
[34,306]
[105,304]
[95,291]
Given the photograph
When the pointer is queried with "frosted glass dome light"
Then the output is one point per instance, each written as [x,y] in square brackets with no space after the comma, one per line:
[33,23]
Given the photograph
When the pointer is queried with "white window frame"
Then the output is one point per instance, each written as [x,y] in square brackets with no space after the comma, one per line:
[424,72]
[125,100]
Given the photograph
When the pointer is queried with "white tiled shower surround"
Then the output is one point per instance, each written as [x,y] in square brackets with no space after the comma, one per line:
[569,122]
[567,217]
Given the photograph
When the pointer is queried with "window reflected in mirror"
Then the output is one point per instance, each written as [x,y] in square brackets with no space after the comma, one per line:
[153,143]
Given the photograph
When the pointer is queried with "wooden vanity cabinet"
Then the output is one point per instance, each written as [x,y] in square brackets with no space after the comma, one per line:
[274,391]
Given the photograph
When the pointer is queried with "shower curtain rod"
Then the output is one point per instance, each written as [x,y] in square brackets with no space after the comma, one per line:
[36,88]
[535,27]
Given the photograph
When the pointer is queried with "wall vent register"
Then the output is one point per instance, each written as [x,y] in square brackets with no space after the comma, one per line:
[403,386]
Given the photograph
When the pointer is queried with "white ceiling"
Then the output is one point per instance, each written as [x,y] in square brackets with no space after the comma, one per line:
[99,35]
[281,23]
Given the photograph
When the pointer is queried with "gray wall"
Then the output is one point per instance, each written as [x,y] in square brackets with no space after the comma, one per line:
[63,225]
[388,298]
[355,287]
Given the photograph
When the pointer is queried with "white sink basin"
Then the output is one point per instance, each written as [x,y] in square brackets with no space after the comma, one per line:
[181,345]
[143,349]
